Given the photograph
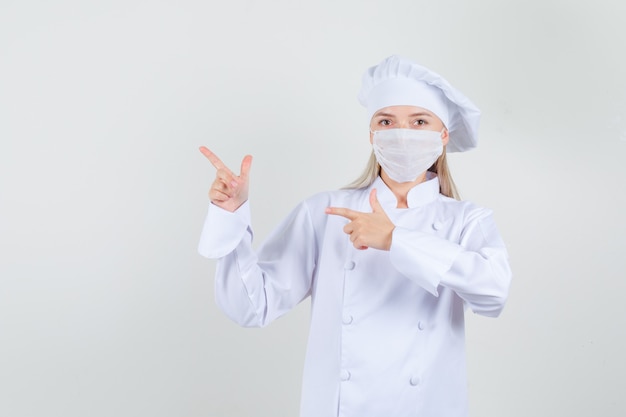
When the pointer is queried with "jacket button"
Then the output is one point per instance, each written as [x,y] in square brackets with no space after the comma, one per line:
[437,225]
[345,375]
[421,325]
[349,265]
[347,319]
[414,381]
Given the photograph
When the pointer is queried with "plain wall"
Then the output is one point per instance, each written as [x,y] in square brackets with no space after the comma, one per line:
[106,309]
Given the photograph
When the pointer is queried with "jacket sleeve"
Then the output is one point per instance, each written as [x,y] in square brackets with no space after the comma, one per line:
[255,287]
[476,268]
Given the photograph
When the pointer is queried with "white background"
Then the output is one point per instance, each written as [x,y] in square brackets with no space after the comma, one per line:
[106,309]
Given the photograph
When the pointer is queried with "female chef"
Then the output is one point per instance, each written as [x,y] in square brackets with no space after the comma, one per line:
[390,264]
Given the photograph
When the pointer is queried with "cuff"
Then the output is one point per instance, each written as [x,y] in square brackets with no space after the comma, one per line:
[223,230]
[422,257]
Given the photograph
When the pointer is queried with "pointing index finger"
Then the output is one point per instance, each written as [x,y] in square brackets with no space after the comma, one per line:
[343,212]
[215,161]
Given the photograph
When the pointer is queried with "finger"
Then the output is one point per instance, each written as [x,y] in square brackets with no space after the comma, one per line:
[374,203]
[222,187]
[217,195]
[344,212]
[215,161]
[245,167]
[362,247]
[227,177]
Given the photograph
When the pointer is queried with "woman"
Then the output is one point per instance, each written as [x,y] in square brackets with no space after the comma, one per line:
[389,264]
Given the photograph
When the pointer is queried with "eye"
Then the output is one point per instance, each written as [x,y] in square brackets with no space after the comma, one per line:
[419,122]
[385,122]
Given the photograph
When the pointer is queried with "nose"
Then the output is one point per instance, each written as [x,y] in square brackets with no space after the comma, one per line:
[404,124]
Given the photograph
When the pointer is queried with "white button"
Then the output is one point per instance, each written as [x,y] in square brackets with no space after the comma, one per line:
[421,325]
[437,225]
[349,265]
[345,375]
[347,319]
[415,381]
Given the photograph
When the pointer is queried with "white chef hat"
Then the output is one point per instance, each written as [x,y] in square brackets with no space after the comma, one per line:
[397,81]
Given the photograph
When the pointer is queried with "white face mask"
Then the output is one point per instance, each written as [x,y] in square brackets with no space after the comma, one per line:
[406,153]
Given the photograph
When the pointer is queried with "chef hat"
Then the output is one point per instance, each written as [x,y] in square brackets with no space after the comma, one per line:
[397,81]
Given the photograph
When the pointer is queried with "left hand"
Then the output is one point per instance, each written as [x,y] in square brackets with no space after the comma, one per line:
[367,230]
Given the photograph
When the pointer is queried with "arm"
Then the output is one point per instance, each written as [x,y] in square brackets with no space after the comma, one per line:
[476,269]
[254,288]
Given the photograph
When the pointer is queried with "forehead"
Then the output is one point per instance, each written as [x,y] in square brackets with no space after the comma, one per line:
[403,111]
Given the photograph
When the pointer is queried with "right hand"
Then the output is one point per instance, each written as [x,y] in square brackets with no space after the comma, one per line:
[228,191]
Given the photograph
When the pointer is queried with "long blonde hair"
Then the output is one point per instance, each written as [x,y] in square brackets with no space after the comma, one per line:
[440,167]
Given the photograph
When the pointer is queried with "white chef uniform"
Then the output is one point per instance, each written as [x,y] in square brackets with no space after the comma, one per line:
[387,328]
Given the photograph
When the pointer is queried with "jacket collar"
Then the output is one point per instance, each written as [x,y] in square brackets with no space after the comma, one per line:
[419,196]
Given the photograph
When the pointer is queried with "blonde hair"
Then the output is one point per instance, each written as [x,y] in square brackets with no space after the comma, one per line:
[440,167]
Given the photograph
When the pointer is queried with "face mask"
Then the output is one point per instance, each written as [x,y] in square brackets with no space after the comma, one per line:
[406,153]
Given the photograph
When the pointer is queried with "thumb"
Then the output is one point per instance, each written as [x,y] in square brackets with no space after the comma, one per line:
[246,163]
[374,203]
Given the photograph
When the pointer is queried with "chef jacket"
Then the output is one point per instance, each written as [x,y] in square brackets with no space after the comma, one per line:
[387,329]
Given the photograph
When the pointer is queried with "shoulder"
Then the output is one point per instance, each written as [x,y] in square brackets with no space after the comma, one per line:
[466,211]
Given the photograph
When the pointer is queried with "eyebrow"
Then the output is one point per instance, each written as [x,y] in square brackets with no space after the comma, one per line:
[410,115]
